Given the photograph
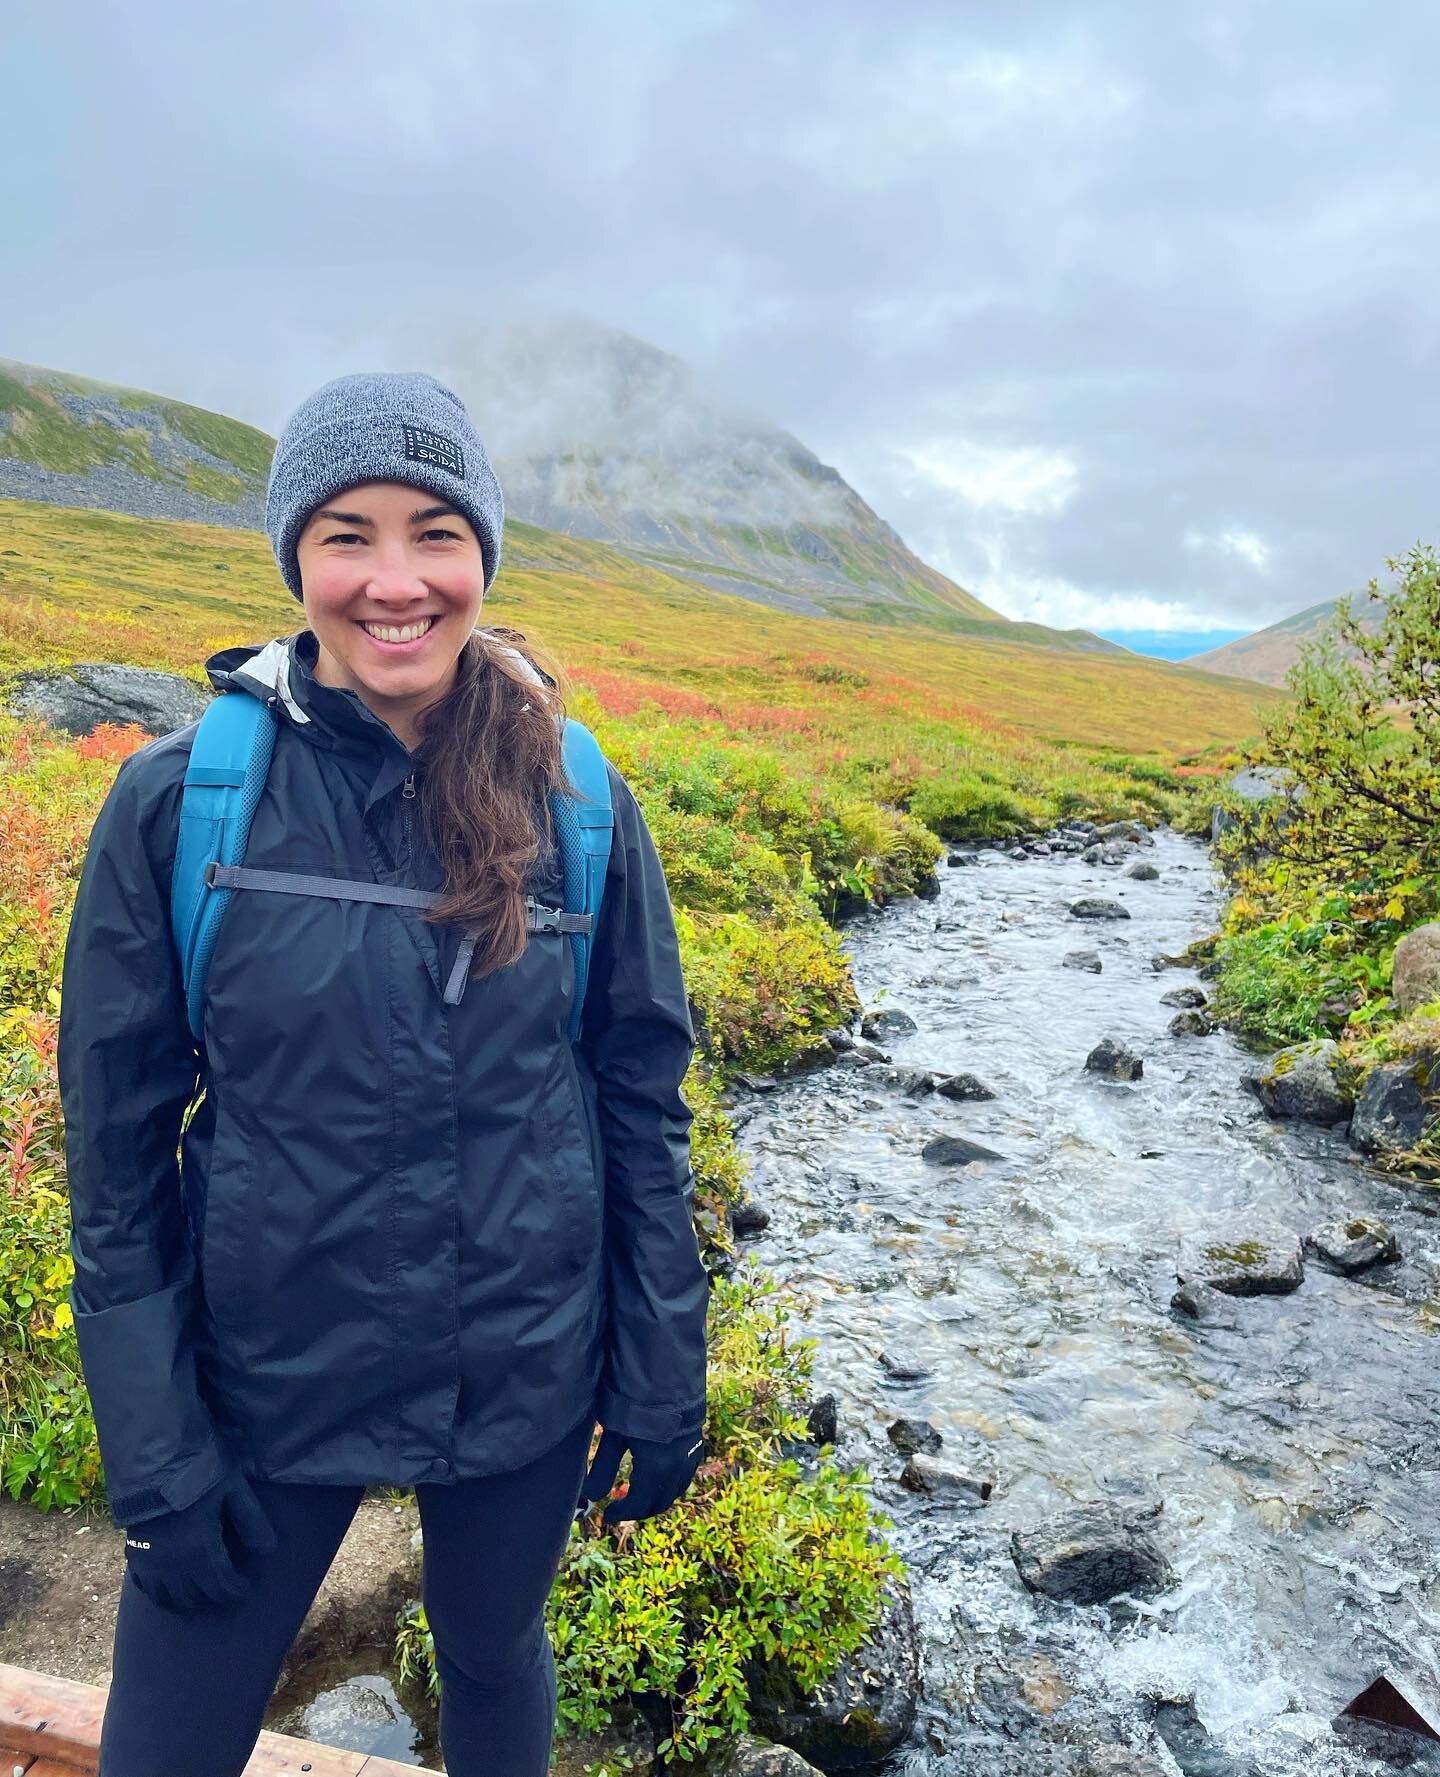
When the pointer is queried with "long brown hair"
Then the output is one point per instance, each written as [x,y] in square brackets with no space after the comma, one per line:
[491,748]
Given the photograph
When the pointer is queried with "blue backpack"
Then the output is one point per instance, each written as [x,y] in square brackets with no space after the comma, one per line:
[229,762]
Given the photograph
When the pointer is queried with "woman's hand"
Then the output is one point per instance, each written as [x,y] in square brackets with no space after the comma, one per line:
[181,1559]
[659,1474]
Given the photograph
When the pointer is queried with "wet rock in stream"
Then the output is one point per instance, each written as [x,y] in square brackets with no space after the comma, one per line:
[1114,1061]
[1091,1554]
[1391,1112]
[1200,1302]
[888,1021]
[1353,1245]
[963,1086]
[1097,907]
[912,1435]
[1088,960]
[1252,1261]
[1184,996]
[955,1478]
[955,1150]
[903,1366]
[1302,1081]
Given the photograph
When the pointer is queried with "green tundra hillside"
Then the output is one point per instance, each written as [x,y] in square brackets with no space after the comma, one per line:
[82,584]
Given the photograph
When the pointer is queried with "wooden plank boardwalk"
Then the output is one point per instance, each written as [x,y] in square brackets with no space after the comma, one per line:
[50,1727]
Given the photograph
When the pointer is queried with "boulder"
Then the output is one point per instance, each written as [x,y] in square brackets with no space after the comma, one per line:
[1090,1554]
[1255,1261]
[1303,1081]
[1184,996]
[1097,907]
[1354,1245]
[1195,1021]
[96,691]
[1114,1061]
[1391,1111]
[1143,871]
[862,1714]
[1088,960]
[1415,978]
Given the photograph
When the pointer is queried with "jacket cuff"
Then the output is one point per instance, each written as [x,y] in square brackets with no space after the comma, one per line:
[652,1423]
[198,1475]
[158,1443]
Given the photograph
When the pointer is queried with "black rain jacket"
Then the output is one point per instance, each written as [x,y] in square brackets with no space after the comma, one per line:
[359,1235]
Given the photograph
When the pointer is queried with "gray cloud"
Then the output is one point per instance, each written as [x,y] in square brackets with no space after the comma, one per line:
[1120,314]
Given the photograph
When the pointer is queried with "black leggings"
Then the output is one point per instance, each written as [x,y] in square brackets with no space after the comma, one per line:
[188,1692]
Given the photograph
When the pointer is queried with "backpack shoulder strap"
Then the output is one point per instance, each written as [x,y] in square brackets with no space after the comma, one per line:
[585,822]
[229,762]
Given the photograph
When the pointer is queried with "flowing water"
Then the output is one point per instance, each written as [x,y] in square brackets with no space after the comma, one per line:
[1297,1455]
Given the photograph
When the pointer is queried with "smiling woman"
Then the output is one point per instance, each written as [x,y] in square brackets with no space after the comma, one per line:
[416,1236]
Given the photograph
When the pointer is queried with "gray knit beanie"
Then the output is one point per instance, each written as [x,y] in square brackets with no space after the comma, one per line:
[380,426]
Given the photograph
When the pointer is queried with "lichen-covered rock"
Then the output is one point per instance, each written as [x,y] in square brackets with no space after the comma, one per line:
[1114,1061]
[1304,1081]
[1415,977]
[860,1715]
[1256,1261]
[1354,1245]
[1089,1555]
[1391,1111]
[96,691]
[749,1756]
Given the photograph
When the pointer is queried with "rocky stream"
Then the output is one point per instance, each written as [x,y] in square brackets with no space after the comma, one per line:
[1144,1535]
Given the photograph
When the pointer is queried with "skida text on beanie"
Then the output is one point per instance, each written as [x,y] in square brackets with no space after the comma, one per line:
[380,426]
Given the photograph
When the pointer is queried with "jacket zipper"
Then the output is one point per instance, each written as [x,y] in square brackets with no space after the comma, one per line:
[408,793]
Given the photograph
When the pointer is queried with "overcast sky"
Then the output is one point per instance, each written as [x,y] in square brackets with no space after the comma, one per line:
[1123,314]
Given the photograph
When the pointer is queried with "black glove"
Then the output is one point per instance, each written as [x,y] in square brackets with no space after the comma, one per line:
[182,1559]
[659,1473]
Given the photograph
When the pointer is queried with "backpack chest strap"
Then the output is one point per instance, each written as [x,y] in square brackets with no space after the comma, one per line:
[538,917]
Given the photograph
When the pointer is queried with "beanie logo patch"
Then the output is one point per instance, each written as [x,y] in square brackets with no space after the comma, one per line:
[422,446]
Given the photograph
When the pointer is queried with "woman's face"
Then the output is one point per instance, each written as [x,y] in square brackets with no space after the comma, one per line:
[392,580]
